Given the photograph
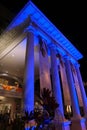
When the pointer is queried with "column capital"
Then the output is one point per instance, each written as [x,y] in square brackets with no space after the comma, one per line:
[66,57]
[52,46]
[40,37]
[30,28]
[77,65]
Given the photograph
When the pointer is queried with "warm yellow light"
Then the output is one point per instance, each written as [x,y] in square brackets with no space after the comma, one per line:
[68,108]
[1,97]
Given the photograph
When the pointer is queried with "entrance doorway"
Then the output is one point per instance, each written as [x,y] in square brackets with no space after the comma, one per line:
[12,106]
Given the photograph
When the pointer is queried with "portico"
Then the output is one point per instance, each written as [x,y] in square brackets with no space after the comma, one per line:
[56,58]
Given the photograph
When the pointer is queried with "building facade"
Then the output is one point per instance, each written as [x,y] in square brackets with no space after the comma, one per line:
[51,59]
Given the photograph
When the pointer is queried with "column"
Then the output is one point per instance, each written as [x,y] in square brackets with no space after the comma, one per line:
[29,72]
[56,81]
[59,114]
[44,66]
[67,100]
[77,122]
[74,100]
[76,82]
[83,94]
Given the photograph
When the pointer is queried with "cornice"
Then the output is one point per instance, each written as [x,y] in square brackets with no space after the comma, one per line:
[30,10]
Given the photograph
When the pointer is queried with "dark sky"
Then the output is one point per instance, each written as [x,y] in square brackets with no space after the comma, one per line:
[68,16]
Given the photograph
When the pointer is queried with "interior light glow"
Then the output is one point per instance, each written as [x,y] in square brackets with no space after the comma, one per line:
[2,97]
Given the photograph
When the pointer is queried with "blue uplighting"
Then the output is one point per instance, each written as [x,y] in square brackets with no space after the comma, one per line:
[41,21]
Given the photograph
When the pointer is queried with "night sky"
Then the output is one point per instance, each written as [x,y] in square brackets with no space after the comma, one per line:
[68,16]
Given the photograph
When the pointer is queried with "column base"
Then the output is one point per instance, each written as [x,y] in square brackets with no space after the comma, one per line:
[86,122]
[64,125]
[60,122]
[78,124]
